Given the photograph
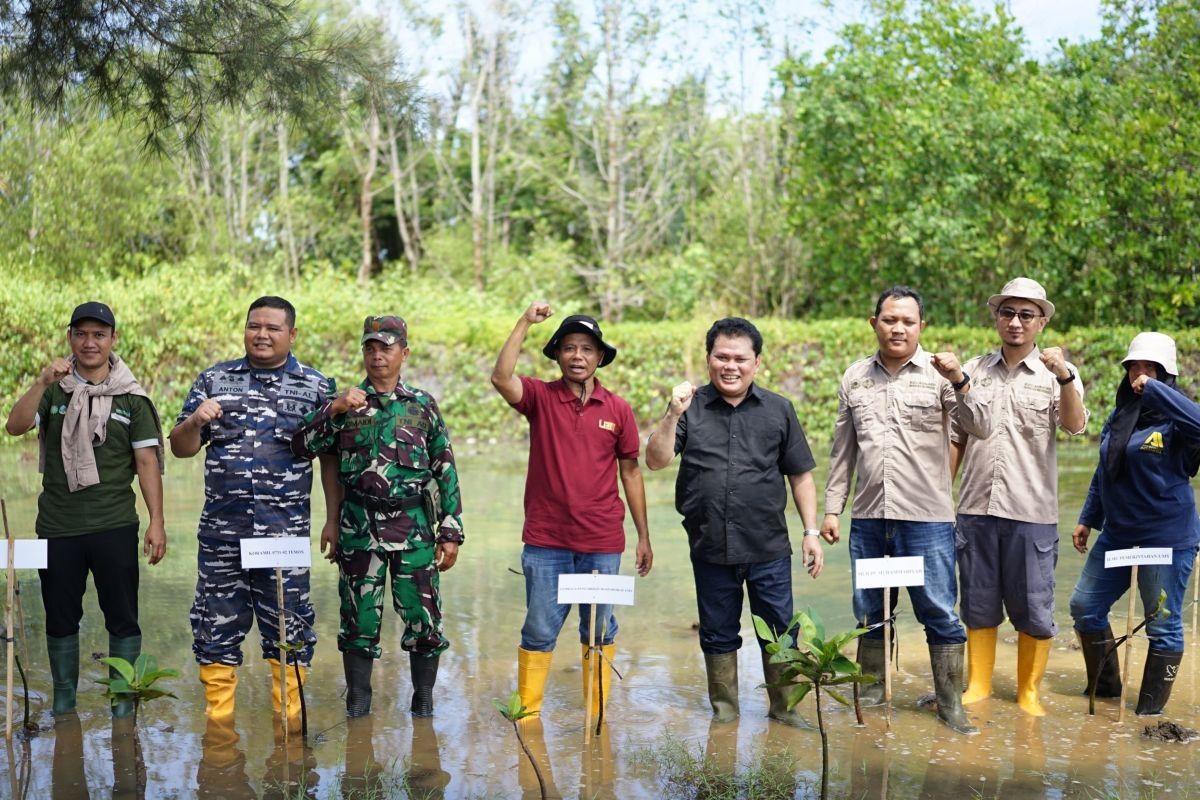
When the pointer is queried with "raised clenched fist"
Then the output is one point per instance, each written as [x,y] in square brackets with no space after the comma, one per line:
[946,363]
[352,398]
[208,411]
[538,312]
[681,397]
[58,369]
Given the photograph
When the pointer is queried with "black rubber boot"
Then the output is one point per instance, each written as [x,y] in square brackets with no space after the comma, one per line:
[357,666]
[722,672]
[870,659]
[424,675]
[128,648]
[947,663]
[1094,645]
[1158,678]
[64,670]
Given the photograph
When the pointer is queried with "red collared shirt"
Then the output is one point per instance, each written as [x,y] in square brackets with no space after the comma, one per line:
[571,499]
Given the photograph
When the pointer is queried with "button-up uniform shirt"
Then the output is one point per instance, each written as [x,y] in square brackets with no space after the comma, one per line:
[731,488]
[1010,467]
[388,450]
[895,430]
[253,485]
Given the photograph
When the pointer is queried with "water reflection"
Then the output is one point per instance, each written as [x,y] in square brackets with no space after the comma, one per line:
[291,770]
[469,751]
[535,773]
[69,779]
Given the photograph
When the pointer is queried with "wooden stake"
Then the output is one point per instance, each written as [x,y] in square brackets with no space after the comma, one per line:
[1128,638]
[887,656]
[8,621]
[590,667]
[282,652]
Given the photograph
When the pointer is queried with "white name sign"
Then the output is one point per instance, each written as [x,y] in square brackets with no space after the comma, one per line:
[610,590]
[876,573]
[1138,555]
[276,552]
[27,553]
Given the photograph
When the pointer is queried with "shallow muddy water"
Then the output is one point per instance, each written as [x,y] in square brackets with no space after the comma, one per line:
[660,706]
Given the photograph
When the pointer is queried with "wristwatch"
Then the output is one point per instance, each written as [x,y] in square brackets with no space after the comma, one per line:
[1064,381]
[812,532]
[958,386]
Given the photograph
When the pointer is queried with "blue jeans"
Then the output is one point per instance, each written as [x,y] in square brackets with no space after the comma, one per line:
[544,617]
[932,603]
[719,599]
[1098,588]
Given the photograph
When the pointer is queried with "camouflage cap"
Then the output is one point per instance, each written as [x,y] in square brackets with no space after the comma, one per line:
[389,329]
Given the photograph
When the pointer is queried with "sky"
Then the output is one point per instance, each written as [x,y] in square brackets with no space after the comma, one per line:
[700,37]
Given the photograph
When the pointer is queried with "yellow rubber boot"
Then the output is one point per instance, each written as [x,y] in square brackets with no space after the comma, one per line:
[592,666]
[533,668]
[220,683]
[1032,655]
[981,661]
[293,690]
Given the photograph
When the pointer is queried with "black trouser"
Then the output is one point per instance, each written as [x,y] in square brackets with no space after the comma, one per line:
[112,558]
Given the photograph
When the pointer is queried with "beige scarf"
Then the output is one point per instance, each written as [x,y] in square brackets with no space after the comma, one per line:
[85,424]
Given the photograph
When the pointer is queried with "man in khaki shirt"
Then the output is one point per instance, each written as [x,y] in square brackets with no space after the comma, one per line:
[1007,531]
[893,426]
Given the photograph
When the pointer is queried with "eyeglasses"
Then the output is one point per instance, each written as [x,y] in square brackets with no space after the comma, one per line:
[1026,316]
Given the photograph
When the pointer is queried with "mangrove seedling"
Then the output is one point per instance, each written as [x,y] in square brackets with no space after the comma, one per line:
[1159,610]
[812,663]
[135,681]
[285,650]
[514,711]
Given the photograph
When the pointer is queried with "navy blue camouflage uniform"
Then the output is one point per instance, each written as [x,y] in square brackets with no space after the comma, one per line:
[253,486]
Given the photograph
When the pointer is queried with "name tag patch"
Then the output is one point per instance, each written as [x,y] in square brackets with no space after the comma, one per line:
[608,425]
[235,383]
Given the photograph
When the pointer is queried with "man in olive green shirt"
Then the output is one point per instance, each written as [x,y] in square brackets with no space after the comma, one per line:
[97,430]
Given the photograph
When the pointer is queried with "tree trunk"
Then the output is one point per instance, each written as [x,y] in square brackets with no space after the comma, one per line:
[366,195]
[414,193]
[287,234]
[410,252]
[614,222]
[477,90]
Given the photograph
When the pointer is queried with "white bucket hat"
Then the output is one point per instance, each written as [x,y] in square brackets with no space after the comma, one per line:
[1156,347]
[1024,289]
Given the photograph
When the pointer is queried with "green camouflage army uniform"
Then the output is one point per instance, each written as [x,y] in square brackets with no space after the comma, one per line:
[388,451]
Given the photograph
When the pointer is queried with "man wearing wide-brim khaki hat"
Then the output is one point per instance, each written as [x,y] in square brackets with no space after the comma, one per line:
[1007,523]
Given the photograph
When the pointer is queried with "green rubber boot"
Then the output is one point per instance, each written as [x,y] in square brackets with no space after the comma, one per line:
[128,648]
[64,670]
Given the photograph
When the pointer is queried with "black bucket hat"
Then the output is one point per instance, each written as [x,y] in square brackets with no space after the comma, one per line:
[580,323]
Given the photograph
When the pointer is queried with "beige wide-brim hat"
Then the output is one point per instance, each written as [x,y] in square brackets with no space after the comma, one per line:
[1156,347]
[1025,289]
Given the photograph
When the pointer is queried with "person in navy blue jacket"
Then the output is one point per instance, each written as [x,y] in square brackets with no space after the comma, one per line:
[1141,496]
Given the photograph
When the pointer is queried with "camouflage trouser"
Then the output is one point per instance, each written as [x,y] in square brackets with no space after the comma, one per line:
[229,598]
[361,583]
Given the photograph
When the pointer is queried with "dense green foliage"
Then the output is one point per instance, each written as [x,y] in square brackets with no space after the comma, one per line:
[926,147]
[176,322]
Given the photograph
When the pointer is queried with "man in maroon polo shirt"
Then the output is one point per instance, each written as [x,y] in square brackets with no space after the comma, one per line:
[580,437]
